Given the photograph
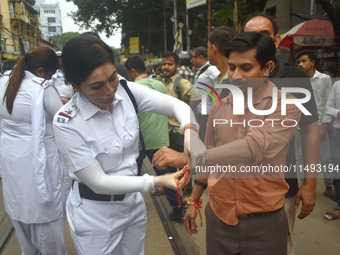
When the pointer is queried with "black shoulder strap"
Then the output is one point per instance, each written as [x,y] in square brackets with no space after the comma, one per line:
[177,84]
[133,100]
[203,70]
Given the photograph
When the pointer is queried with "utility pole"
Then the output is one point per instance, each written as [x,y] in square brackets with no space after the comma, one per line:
[312,7]
[290,14]
[165,46]
[209,17]
[187,30]
[175,15]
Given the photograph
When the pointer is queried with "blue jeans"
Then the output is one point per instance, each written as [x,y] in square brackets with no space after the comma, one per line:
[336,163]
[170,194]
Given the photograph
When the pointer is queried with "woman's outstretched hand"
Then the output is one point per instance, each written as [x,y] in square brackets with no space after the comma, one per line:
[172,181]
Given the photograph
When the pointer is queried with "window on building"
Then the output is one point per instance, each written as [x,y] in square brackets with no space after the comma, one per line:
[271,11]
[51,20]
[52,29]
[11,9]
[49,10]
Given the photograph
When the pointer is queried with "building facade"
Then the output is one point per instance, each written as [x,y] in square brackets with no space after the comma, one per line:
[20,29]
[50,18]
[290,13]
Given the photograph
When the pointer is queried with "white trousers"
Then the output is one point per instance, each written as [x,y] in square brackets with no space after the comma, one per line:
[115,228]
[43,238]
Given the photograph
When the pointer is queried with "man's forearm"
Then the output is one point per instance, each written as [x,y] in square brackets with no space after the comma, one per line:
[197,190]
[232,153]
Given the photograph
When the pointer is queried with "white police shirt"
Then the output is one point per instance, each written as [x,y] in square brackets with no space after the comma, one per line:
[65,90]
[33,177]
[86,134]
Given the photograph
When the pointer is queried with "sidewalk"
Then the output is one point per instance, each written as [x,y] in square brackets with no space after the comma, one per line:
[313,235]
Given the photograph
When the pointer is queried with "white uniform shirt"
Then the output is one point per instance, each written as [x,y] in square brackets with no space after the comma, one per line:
[86,134]
[207,77]
[31,194]
[211,72]
[321,85]
[65,90]
[333,104]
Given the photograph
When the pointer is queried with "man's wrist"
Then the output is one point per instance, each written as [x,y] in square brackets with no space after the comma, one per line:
[309,181]
[190,126]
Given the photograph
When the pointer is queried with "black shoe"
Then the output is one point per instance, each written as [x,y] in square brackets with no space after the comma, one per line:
[176,215]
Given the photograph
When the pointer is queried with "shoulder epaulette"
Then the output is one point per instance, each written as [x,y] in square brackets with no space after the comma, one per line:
[67,113]
[7,73]
[43,82]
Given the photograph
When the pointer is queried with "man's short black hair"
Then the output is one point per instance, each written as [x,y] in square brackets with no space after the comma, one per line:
[185,61]
[270,18]
[201,51]
[172,54]
[135,62]
[311,55]
[220,36]
[264,44]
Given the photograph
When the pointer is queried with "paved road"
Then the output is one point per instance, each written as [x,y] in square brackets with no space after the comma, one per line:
[313,235]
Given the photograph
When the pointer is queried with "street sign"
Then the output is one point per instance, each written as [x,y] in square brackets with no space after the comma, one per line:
[195,3]
[134,45]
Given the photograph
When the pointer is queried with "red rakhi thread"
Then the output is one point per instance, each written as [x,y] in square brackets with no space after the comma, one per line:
[198,205]
[179,197]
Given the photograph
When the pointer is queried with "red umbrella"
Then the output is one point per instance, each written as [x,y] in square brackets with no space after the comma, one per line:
[314,32]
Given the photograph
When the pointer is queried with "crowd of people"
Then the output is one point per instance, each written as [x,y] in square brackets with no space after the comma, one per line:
[85,124]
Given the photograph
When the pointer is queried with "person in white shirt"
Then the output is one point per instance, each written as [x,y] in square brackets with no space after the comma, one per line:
[33,177]
[204,81]
[65,90]
[333,110]
[97,133]
[199,59]
[321,85]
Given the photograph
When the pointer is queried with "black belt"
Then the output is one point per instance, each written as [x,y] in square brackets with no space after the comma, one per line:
[261,214]
[87,193]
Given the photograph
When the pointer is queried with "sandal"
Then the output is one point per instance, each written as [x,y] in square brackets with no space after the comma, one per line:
[331,215]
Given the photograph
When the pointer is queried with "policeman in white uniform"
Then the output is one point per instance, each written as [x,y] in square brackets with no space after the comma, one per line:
[112,218]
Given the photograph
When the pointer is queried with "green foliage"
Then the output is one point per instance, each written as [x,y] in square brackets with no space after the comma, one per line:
[336,3]
[145,19]
[61,40]
[224,14]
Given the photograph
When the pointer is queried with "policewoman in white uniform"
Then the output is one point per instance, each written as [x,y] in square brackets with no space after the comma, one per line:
[33,179]
[97,133]
[65,90]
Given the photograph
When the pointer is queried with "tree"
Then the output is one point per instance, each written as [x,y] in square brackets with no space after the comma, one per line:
[333,12]
[225,13]
[145,19]
[61,40]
